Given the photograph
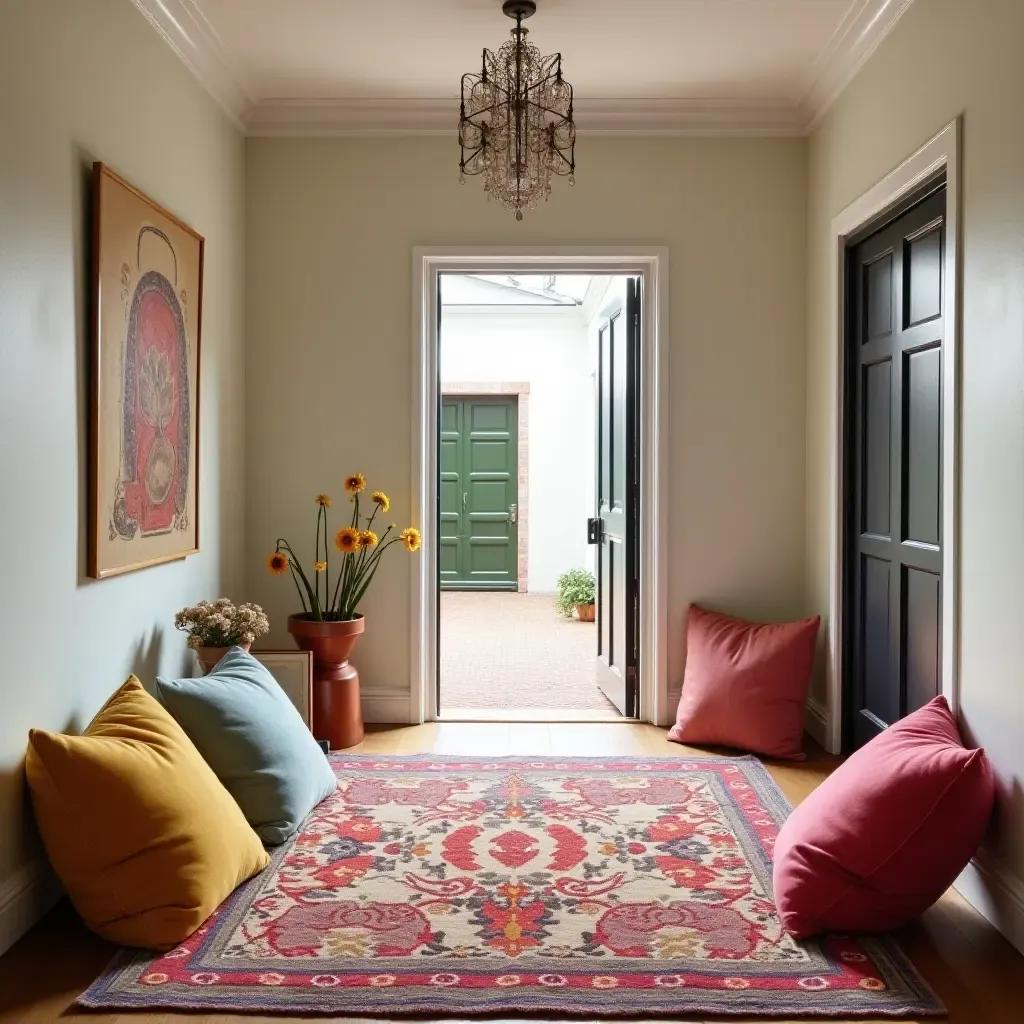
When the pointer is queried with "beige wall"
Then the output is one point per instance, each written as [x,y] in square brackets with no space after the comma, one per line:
[947,57]
[80,82]
[331,226]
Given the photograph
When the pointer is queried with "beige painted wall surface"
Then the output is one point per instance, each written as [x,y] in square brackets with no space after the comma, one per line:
[943,58]
[80,82]
[330,230]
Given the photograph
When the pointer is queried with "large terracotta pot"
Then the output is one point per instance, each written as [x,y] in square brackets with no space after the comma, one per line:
[337,714]
[585,612]
[209,656]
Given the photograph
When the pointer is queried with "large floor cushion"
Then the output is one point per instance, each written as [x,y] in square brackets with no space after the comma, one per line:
[143,836]
[253,738]
[886,834]
[745,683]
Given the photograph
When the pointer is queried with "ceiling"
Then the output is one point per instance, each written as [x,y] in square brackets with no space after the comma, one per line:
[636,66]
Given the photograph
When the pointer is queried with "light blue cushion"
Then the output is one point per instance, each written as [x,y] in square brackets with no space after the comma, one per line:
[250,734]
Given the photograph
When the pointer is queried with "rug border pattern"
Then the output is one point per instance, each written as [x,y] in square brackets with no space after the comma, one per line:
[907,993]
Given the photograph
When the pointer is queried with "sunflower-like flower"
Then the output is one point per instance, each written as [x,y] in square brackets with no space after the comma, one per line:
[367,539]
[320,566]
[323,500]
[346,540]
[277,563]
[355,483]
[410,538]
[380,498]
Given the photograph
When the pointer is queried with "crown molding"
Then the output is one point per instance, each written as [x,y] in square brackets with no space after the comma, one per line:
[859,34]
[186,30]
[376,117]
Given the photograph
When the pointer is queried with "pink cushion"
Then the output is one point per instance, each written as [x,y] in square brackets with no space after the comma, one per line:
[745,684]
[886,834]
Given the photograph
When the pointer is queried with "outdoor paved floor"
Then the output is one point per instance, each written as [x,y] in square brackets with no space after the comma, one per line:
[508,651]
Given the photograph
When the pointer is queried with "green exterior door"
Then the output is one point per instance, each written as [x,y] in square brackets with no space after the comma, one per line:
[479,491]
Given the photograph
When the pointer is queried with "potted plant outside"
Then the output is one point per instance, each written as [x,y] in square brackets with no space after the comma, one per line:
[576,592]
[215,627]
[330,623]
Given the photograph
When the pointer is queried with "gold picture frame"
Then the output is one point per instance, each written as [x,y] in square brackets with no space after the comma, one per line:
[147,278]
[293,671]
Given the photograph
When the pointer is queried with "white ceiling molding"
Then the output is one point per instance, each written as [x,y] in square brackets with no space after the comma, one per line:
[187,32]
[185,29]
[866,24]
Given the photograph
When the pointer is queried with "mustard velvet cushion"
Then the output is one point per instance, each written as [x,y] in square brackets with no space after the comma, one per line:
[143,835]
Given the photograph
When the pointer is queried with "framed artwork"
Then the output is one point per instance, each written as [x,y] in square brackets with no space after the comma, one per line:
[293,671]
[144,423]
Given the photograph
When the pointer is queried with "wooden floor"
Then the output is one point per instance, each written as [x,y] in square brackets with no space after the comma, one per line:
[978,975]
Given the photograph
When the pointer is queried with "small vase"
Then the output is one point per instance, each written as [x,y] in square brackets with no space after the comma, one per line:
[585,612]
[209,656]
[337,713]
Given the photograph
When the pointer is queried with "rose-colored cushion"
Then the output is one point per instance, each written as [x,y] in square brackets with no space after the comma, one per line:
[745,684]
[886,834]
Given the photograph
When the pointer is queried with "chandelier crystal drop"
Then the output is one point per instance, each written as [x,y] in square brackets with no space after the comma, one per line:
[515,124]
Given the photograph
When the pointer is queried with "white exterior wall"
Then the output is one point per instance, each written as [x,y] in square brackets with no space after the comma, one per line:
[546,348]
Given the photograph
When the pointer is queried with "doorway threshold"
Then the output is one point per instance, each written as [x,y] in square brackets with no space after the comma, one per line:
[530,715]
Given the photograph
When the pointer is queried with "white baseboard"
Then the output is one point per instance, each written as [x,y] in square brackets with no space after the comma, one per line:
[816,722]
[24,898]
[668,717]
[387,707]
[996,894]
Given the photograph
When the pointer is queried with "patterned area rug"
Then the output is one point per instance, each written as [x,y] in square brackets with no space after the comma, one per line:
[451,885]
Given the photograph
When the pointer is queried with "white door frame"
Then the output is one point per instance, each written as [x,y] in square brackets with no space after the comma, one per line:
[650,263]
[940,152]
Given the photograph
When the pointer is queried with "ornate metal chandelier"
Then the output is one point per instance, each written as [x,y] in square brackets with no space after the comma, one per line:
[515,124]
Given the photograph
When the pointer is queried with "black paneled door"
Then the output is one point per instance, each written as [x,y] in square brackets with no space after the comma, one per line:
[615,531]
[893,576]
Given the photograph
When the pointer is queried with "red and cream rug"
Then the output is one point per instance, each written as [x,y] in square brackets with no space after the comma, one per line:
[598,886]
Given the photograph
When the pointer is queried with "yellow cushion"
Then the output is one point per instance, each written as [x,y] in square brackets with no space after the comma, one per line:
[141,832]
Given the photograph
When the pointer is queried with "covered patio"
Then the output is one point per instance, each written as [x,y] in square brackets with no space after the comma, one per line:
[508,652]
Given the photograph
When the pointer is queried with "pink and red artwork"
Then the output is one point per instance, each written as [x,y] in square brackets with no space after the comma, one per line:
[144,487]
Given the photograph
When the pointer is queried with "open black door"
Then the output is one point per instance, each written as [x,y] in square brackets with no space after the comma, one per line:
[614,529]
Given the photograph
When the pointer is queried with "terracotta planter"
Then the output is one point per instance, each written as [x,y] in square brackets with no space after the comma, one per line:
[209,656]
[337,714]
[585,612]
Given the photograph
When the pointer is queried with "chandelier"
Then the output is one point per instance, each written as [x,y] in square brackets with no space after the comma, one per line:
[515,124]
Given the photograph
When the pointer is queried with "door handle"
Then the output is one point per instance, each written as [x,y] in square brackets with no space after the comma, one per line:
[593,531]
[512,513]
[465,495]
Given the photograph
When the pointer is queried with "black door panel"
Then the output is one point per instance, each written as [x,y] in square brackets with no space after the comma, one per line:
[616,530]
[893,558]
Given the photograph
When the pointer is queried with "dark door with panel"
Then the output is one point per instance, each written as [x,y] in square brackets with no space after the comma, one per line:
[893,581]
[615,529]
[479,488]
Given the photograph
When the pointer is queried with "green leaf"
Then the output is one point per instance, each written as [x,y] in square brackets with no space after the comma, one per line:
[577,586]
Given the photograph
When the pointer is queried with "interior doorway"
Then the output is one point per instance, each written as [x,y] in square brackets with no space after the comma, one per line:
[650,264]
[538,496]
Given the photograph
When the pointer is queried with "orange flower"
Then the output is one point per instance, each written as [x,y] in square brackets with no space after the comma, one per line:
[346,540]
[367,539]
[277,563]
[411,538]
[323,500]
[381,499]
[320,566]
[355,483]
